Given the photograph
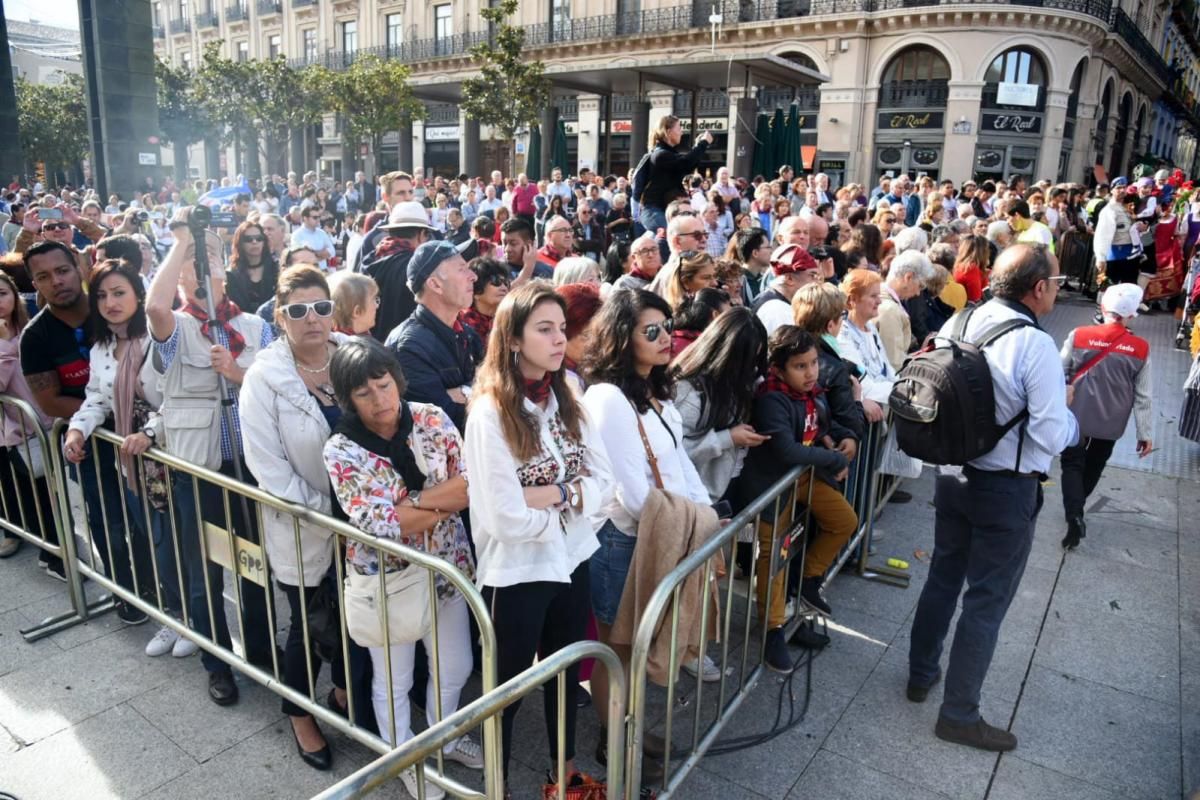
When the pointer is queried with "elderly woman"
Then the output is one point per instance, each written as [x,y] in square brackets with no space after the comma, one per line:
[355,302]
[909,273]
[859,342]
[577,269]
[288,411]
[493,279]
[398,473]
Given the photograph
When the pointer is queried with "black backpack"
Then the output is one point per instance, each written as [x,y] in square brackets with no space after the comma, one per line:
[943,404]
[641,176]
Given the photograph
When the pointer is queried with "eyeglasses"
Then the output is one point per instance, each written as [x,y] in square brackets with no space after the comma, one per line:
[652,332]
[254,239]
[701,235]
[1058,280]
[298,311]
[559,230]
[499,280]
[645,251]
[55,226]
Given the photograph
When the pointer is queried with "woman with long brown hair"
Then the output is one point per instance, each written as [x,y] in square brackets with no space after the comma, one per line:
[971,265]
[538,474]
[250,280]
[693,270]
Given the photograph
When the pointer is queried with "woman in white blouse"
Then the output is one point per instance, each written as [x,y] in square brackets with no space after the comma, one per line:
[124,385]
[859,340]
[538,475]
[629,391]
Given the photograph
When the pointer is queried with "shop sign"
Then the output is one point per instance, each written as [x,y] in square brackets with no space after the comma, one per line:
[619,126]
[911,121]
[831,165]
[1012,123]
[446,133]
[1017,94]
[962,127]
[714,124]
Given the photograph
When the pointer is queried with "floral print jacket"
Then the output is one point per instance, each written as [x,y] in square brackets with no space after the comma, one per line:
[369,490]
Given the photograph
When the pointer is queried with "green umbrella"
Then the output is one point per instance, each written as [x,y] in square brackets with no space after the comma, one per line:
[558,153]
[762,146]
[791,144]
[533,155]
[777,143]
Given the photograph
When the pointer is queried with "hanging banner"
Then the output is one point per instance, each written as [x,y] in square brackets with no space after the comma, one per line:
[1017,94]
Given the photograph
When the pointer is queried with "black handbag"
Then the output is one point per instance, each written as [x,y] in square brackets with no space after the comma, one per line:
[324,621]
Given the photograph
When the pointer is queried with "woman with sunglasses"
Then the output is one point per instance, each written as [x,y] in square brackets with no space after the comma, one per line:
[288,410]
[691,271]
[492,282]
[629,401]
[252,270]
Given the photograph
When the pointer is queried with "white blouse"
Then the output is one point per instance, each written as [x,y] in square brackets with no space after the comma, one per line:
[98,402]
[865,349]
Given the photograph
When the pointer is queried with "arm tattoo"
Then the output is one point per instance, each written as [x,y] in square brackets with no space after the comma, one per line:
[40,382]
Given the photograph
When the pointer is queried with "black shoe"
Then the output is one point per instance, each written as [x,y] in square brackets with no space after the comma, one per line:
[900,496]
[222,688]
[917,694]
[810,592]
[125,612]
[56,570]
[321,759]
[978,734]
[1076,530]
[777,657]
[263,660]
[582,698]
[335,707]
[809,638]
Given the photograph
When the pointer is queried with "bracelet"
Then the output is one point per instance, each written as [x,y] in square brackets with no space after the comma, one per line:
[562,492]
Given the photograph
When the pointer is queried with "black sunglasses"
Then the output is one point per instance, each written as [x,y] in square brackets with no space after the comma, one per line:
[652,332]
[298,311]
[253,239]
[499,280]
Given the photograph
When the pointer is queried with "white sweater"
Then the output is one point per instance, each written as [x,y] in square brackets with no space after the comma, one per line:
[616,420]
[514,543]
[98,402]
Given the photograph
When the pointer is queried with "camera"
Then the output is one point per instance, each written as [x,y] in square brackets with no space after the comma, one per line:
[143,216]
[205,217]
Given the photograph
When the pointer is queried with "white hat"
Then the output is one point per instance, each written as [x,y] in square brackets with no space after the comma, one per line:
[1162,175]
[408,215]
[1122,299]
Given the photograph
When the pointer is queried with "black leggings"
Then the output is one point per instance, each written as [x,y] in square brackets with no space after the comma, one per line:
[295,672]
[540,617]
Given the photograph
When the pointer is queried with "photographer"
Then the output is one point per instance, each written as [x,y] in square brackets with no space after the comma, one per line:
[667,169]
[58,227]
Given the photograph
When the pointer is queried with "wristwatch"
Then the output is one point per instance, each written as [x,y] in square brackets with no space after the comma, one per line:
[150,434]
[414,499]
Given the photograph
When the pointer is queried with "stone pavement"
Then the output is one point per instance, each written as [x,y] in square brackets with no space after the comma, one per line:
[1097,672]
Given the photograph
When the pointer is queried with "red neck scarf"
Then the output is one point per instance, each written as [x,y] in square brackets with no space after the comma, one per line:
[774,383]
[474,318]
[539,391]
[347,331]
[391,245]
[570,364]
[637,272]
[226,311]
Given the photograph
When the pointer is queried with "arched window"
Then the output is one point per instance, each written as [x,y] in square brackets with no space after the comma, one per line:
[917,63]
[1018,65]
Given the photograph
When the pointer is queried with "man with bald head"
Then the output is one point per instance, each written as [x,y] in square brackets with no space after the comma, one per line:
[986,515]
[794,230]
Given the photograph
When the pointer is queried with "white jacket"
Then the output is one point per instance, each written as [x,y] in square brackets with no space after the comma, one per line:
[284,433]
[98,402]
[515,543]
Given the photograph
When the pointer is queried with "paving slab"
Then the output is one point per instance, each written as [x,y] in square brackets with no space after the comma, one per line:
[1017,779]
[1097,734]
[15,652]
[830,776]
[885,732]
[115,754]
[1108,590]
[703,783]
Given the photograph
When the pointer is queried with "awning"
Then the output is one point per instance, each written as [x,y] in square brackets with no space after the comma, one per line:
[711,71]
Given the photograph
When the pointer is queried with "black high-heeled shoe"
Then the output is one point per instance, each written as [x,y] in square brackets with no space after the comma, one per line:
[320,759]
[335,706]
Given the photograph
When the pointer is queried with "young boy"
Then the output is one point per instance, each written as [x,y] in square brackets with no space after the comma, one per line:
[791,409]
[820,308]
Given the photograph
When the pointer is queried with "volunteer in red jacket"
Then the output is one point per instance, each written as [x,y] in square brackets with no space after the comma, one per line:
[1108,370]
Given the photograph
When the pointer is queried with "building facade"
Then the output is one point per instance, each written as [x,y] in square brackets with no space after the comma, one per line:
[1066,89]
[43,53]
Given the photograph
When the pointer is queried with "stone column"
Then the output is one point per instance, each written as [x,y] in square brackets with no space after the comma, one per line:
[549,131]
[739,126]
[404,148]
[418,147]
[1082,156]
[662,103]
[469,145]
[639,132]
[589,132]
[1052,131]
[958,157]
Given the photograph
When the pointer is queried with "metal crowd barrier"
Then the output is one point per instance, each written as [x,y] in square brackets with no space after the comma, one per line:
[42,523]
[489,707]
[248,563]
[668,592]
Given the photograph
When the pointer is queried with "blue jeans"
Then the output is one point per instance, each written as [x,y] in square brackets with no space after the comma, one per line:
[653,218]
[100,481]
[164,550]
[609,567]
[258,640]
[982,535]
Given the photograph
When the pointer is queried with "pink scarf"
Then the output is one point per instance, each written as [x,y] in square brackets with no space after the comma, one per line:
[126,388]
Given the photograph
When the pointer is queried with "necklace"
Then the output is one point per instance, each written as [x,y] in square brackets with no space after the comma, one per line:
[318,370]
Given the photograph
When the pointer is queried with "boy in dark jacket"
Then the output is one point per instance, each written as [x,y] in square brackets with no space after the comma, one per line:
[819,308]
[792,410]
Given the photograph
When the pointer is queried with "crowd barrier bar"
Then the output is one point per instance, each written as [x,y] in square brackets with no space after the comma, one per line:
[245,560]
[668,591]
[490,706]
[31,527]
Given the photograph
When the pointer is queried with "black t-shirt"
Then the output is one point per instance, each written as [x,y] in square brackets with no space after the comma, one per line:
[50,345]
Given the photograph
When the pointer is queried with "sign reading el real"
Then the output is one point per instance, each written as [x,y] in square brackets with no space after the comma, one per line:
[1012,123]
[911,121]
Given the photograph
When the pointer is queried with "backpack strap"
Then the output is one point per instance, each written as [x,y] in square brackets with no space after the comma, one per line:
[1000,329]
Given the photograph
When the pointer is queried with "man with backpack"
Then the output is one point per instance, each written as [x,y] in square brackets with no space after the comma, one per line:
[987,514]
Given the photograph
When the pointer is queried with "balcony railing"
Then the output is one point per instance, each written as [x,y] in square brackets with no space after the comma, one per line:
[1127,31]
[806,98]
[270,6]
[206,19]
[303,3]
[914,94]
[236,12]
[708,104]
[441,114]
[568,107]
[180,25]
[160,32]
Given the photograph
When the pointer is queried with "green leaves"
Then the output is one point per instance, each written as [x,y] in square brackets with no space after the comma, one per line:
[182,118]
[373,96]
[510,92]
[53,121]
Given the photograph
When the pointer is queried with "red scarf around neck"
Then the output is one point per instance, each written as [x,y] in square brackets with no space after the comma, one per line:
[226,311]
[538,391]
[774,382]
[391,245]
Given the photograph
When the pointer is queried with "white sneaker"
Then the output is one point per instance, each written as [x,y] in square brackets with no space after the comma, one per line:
[711,672]
[409,779]
[162,643]
[184,647]
[466,751]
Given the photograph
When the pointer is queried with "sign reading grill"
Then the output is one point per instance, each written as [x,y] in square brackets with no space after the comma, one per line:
[1012,123]
[891,120]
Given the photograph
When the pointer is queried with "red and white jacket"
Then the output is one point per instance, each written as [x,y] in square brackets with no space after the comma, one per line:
[1112,388]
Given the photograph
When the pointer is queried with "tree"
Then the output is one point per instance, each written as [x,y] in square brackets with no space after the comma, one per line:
[509,92]
[53,123]
[264,97]
[374,97]
[182,118]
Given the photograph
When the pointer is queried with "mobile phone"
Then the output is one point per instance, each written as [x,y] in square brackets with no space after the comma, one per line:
[49,213]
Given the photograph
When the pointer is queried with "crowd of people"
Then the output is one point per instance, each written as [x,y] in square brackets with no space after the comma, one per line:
[557,387]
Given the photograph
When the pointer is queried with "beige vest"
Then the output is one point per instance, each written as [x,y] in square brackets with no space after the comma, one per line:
[191,407]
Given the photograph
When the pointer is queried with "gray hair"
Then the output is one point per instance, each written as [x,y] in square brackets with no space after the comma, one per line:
[911,262]
[1019,269]
[910,239]
[998,229]
[943,254]
[574,269]
[959,226]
